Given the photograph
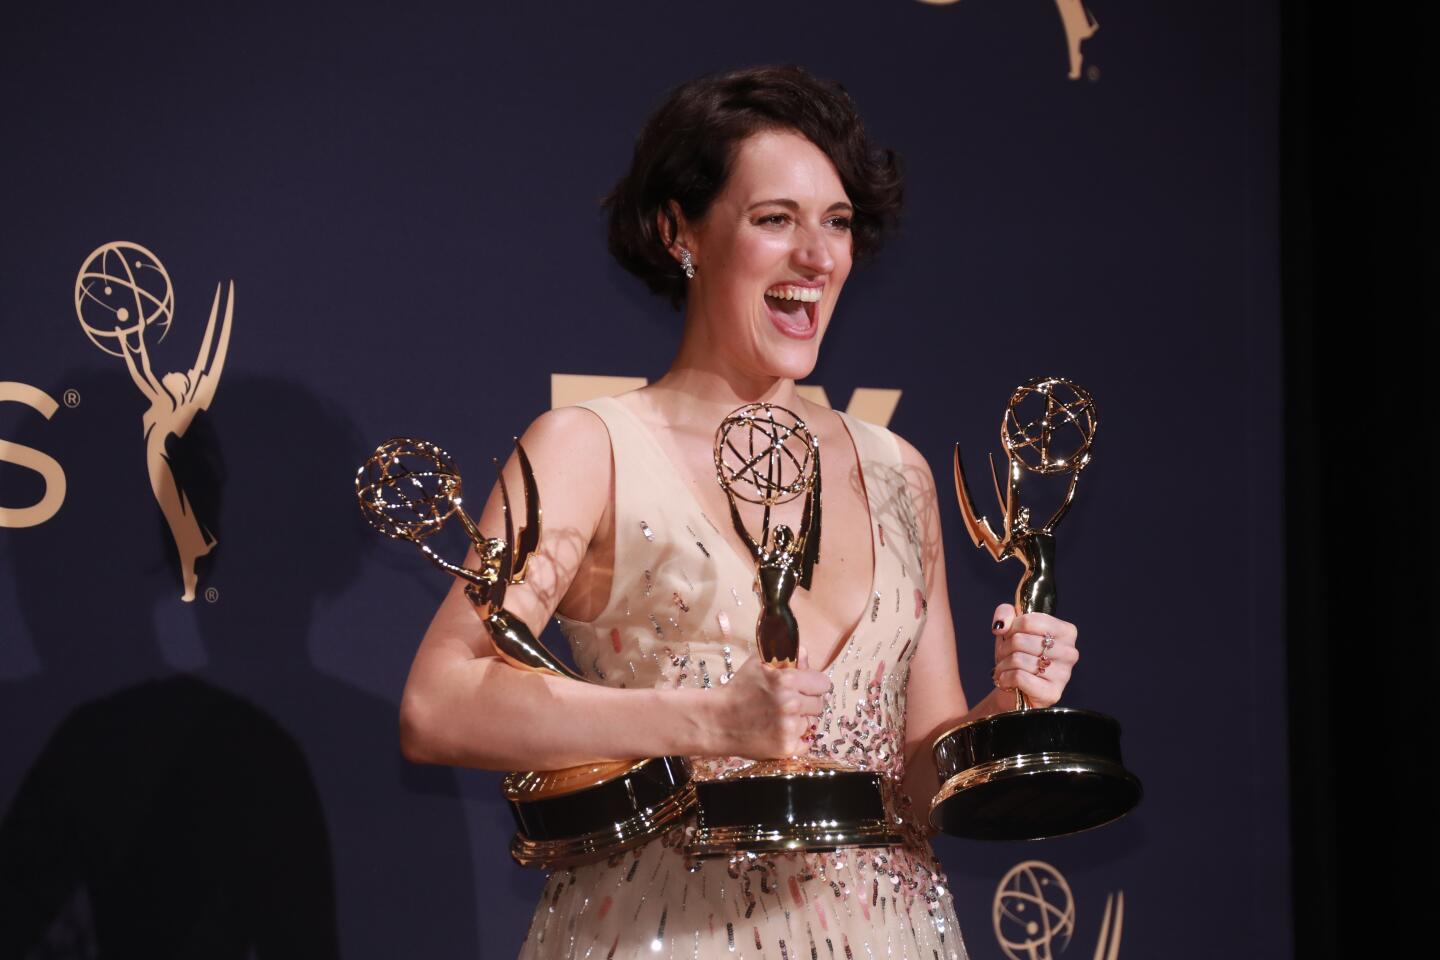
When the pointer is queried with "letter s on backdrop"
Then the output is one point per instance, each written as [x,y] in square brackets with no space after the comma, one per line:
[31,459]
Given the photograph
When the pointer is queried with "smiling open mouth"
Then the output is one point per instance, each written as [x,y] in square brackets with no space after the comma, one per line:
[793,308]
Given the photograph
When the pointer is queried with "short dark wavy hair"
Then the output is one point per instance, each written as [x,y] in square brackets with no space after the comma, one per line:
[688,145]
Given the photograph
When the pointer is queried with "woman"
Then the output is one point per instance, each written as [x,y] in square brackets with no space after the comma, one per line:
[749,196]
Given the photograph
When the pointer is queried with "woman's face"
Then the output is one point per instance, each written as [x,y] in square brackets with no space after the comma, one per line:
[771,255]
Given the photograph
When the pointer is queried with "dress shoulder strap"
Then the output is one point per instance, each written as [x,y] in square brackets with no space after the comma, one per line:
[875,445]
[644,488]
[888,487]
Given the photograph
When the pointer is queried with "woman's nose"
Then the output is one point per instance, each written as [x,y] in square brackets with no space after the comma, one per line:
[812,252]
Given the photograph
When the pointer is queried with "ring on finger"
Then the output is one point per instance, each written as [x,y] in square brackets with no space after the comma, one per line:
[1044,662]
[1047,643]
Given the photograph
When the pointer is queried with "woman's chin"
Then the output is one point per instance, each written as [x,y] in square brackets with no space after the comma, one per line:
[794,360]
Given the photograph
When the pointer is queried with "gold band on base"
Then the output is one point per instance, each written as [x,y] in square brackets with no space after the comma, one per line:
[524,786]
[789,767]
[827,835]
[602,843]
[1023,765]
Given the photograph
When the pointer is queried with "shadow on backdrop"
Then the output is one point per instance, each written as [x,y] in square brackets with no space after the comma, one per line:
[167,816]
[237,808]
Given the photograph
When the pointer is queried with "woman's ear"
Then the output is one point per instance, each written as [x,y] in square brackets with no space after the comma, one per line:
[674,229]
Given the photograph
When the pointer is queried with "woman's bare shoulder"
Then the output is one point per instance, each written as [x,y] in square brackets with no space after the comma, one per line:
[569,449]
[576,427]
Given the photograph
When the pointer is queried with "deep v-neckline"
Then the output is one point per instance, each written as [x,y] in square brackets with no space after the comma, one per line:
[747,561]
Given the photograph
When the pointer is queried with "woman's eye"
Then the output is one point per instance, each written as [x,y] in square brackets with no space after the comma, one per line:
[842,223]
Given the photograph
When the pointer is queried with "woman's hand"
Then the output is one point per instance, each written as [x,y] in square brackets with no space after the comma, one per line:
[764,712]
[1035,652]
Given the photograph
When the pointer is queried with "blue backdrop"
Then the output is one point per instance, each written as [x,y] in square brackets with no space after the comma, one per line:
[406,200]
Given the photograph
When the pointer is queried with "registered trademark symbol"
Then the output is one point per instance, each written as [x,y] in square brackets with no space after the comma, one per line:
[71,398]
[211,594]
[1092,73]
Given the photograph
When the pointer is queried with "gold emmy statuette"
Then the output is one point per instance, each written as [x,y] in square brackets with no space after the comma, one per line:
[765,455]
[1029,774]
[408,490]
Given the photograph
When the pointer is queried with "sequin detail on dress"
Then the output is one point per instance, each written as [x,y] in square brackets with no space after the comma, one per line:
[674,629]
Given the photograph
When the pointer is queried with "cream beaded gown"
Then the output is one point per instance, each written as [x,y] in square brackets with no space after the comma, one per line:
[682,612]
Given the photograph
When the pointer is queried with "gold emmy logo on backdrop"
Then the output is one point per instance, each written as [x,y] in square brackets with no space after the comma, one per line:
[872,404]
[125,304]
[1034,915]
[1079,23]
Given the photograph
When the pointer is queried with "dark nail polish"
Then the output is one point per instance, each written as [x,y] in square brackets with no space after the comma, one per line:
[999,624]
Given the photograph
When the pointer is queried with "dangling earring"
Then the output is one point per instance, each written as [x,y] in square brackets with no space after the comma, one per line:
[687,263]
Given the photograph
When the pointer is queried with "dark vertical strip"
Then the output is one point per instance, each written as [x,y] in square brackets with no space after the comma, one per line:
[1359,265]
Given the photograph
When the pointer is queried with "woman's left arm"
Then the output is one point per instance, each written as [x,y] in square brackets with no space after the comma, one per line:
[935,698]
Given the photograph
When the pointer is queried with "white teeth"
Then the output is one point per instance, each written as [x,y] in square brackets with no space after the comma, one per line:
[803,294]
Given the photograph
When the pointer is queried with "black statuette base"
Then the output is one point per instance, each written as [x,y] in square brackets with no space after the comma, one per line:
[601,820]
[816,810]
[614,801]
[1031,774]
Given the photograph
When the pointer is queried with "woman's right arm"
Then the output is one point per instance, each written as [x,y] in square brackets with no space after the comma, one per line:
[465,706]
